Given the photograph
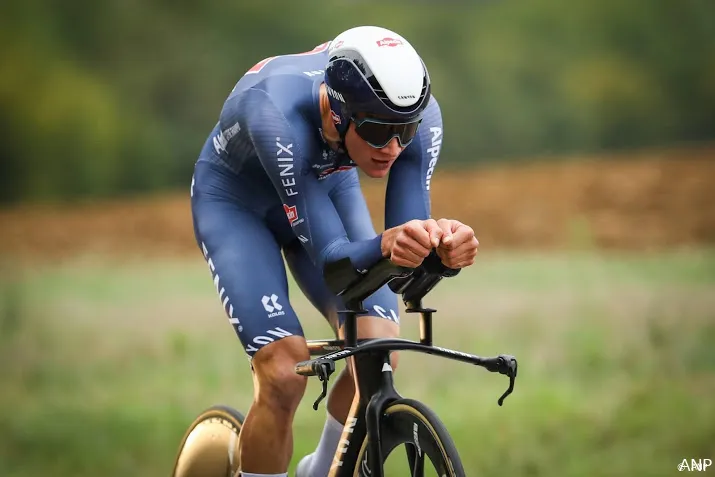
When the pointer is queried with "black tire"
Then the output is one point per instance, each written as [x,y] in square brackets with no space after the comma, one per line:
[401,421]
[209,447]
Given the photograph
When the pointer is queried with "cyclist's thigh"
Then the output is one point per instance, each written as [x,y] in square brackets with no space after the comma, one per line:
[382,303]
[245,261]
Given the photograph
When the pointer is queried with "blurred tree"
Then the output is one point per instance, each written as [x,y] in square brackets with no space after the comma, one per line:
[113,97]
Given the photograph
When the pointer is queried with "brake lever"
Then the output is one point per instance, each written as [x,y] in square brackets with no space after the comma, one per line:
[508,366]
[323,369]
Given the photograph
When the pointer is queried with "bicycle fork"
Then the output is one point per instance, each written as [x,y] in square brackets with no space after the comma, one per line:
[374,392]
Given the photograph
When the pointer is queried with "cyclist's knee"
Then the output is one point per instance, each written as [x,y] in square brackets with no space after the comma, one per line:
[394,359]
[378,327]
[277,383]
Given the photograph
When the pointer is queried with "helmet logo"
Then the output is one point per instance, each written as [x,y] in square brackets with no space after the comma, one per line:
[336,118]
[387,41]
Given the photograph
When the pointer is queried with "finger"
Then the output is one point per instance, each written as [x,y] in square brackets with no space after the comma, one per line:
[434,230]
[416,231]
[465,251]
[446,226]
[405,242]
[461,264]
[405,258]
[442,253]
[459,259]
[462,234]
[455,224]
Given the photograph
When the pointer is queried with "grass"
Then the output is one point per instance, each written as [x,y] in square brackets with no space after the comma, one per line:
[104,364]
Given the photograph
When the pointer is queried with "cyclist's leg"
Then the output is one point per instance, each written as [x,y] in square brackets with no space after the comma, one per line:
[382,321]
[249,274]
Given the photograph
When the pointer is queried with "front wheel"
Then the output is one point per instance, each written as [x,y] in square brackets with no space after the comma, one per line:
[412,424]
[210,445]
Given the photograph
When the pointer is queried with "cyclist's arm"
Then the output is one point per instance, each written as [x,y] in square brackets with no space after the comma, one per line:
[315,221]
[408,188]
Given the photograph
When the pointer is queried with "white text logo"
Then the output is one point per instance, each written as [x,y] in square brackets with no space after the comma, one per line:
[222,138]
[433,152]
[227,306]
[335,94]
[695,465]
[275,333]
[416,438]
[270,303]
[285,163]
[344,442]
[383,314]
[365,467]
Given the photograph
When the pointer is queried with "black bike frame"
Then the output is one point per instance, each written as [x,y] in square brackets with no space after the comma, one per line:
[374,390]
[374,383]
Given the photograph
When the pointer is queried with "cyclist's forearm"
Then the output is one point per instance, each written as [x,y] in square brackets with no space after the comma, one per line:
[363,253]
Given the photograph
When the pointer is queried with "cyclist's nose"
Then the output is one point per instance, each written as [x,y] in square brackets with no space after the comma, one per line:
[392,148]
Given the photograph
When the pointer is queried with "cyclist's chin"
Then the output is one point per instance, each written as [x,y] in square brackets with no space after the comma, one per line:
[376,169]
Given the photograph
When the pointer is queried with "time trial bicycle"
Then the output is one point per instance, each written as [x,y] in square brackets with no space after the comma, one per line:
[380,419]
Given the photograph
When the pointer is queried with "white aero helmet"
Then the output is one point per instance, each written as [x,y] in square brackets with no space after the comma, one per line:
[377,72]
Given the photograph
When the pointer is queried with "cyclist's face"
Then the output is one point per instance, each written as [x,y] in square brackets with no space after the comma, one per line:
[372,161]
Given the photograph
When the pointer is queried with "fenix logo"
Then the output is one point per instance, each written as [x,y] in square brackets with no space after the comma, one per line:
[433,151]
[284,156]
[695,465]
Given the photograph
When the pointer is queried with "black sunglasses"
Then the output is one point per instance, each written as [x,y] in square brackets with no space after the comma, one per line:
[379,133]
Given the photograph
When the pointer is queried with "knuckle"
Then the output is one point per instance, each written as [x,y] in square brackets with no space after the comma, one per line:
[411,226]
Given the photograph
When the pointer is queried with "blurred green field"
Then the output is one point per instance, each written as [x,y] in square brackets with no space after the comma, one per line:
[104,364]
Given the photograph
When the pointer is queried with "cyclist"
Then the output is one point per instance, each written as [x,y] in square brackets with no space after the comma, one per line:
[278,173]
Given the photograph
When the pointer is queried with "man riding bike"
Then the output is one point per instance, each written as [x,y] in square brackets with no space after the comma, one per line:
[278,174]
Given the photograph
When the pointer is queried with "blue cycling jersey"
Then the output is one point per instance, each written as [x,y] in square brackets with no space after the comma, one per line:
[266,181]
[272,116]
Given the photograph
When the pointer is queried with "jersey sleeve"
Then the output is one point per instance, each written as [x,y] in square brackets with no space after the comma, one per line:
[408,187]
[308,207]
